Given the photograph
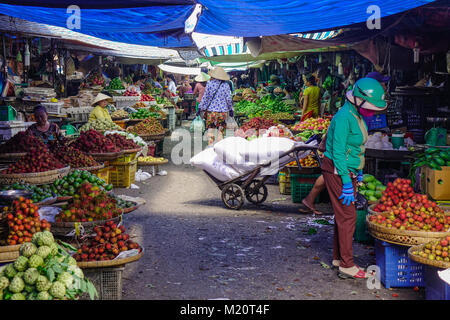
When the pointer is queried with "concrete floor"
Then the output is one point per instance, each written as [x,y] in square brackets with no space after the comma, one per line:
[195,248]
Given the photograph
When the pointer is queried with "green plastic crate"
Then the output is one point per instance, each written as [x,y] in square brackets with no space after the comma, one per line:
[361,234]
[301,185]
[7,113]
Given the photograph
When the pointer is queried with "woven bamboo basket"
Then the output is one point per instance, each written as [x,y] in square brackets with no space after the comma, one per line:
[9,253]
[90,169]
[422,260]
[154,137]
[65,198]
[34,178]
[130,209]
[11,157]
[402,237]
[47,202]
[110,263]
[63,228]
[144,163]
[107,156]
[132,150]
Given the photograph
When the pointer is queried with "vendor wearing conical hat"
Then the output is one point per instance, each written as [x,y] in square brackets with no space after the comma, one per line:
[100,112]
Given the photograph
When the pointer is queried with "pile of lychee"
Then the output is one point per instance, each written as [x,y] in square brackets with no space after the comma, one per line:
[23,221]
[438,250]
[107,243]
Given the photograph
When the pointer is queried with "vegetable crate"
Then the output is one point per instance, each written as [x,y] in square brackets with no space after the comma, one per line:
[123,175]
[397,269]
[125,159]
[361,234]
[54,107]
[438,183]
[301,185]
[436,288]
[103,174]
[107,281]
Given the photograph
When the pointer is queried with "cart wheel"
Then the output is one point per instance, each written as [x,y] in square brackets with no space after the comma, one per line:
[256,196]
[233,196]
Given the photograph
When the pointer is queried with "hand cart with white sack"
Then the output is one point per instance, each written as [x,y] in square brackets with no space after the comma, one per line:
[250,184]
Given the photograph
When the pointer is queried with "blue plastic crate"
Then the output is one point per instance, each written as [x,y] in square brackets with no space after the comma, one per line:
[436,288]
[397,270]
[376,122]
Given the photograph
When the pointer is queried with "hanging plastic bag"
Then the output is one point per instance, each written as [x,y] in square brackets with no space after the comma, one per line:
[197,124]
[361,202]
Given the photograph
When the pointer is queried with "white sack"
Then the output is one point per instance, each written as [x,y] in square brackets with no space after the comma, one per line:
[230,150]
[209,161]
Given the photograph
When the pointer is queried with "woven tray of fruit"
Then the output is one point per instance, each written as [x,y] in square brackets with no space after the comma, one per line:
[434,253]
[108,245]
[406,228]
[132,150]
[33,177]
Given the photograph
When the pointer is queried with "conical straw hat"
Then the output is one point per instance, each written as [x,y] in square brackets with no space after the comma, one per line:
[219,73]
[101,97]
[202,77]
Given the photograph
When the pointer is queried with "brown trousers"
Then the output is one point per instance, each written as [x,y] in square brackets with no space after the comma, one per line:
[344,216]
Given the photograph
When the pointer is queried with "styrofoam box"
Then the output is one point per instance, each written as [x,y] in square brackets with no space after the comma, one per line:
[8,129]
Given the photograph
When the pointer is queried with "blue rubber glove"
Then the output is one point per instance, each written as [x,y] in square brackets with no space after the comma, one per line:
[360,176]
[231,113]
[347,194]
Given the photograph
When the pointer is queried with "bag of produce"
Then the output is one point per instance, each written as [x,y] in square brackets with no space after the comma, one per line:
[209,161]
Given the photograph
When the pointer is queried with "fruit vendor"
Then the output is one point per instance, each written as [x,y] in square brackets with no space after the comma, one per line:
[216,102]
[311,99]
[100,111]
[342,166]
[43,129]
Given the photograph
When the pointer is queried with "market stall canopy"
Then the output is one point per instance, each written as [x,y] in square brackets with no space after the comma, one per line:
[180,70]
[251,18]
[162,23]
[159,24]
[79,41]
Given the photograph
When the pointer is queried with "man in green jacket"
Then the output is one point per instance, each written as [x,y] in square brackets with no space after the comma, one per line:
[342,167]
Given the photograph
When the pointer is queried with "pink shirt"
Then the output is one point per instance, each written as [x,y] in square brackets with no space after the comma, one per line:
[200,90]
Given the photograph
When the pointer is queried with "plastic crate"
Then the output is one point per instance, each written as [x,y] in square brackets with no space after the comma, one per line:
[123,175]
[107,281]
[436,288]
[361,234]
[125,159]
[54,107]
[376,122]
[397,270]
[301,185]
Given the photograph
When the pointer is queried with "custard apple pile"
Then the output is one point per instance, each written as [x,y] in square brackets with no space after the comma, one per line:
[43,271]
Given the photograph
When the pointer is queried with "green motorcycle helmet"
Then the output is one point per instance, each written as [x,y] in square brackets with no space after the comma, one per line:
[372,92]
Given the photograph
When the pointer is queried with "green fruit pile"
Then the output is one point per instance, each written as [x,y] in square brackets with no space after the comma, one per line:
[68,185]
[39,192]
[371,188]
[43,271]
[144,113]
[123,203]
[116,84]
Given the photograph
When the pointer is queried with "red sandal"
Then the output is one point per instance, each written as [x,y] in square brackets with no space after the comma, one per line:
[361,274]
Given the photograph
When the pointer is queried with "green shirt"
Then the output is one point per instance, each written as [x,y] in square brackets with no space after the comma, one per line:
[346,137]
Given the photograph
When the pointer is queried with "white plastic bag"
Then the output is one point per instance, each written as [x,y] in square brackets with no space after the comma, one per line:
[209,161]
[197,124]
[266,149]
[231,123]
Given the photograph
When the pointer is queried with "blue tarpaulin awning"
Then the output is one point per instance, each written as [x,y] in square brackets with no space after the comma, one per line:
[162,22]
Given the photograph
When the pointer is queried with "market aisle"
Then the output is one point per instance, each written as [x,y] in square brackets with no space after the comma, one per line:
[197,249]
